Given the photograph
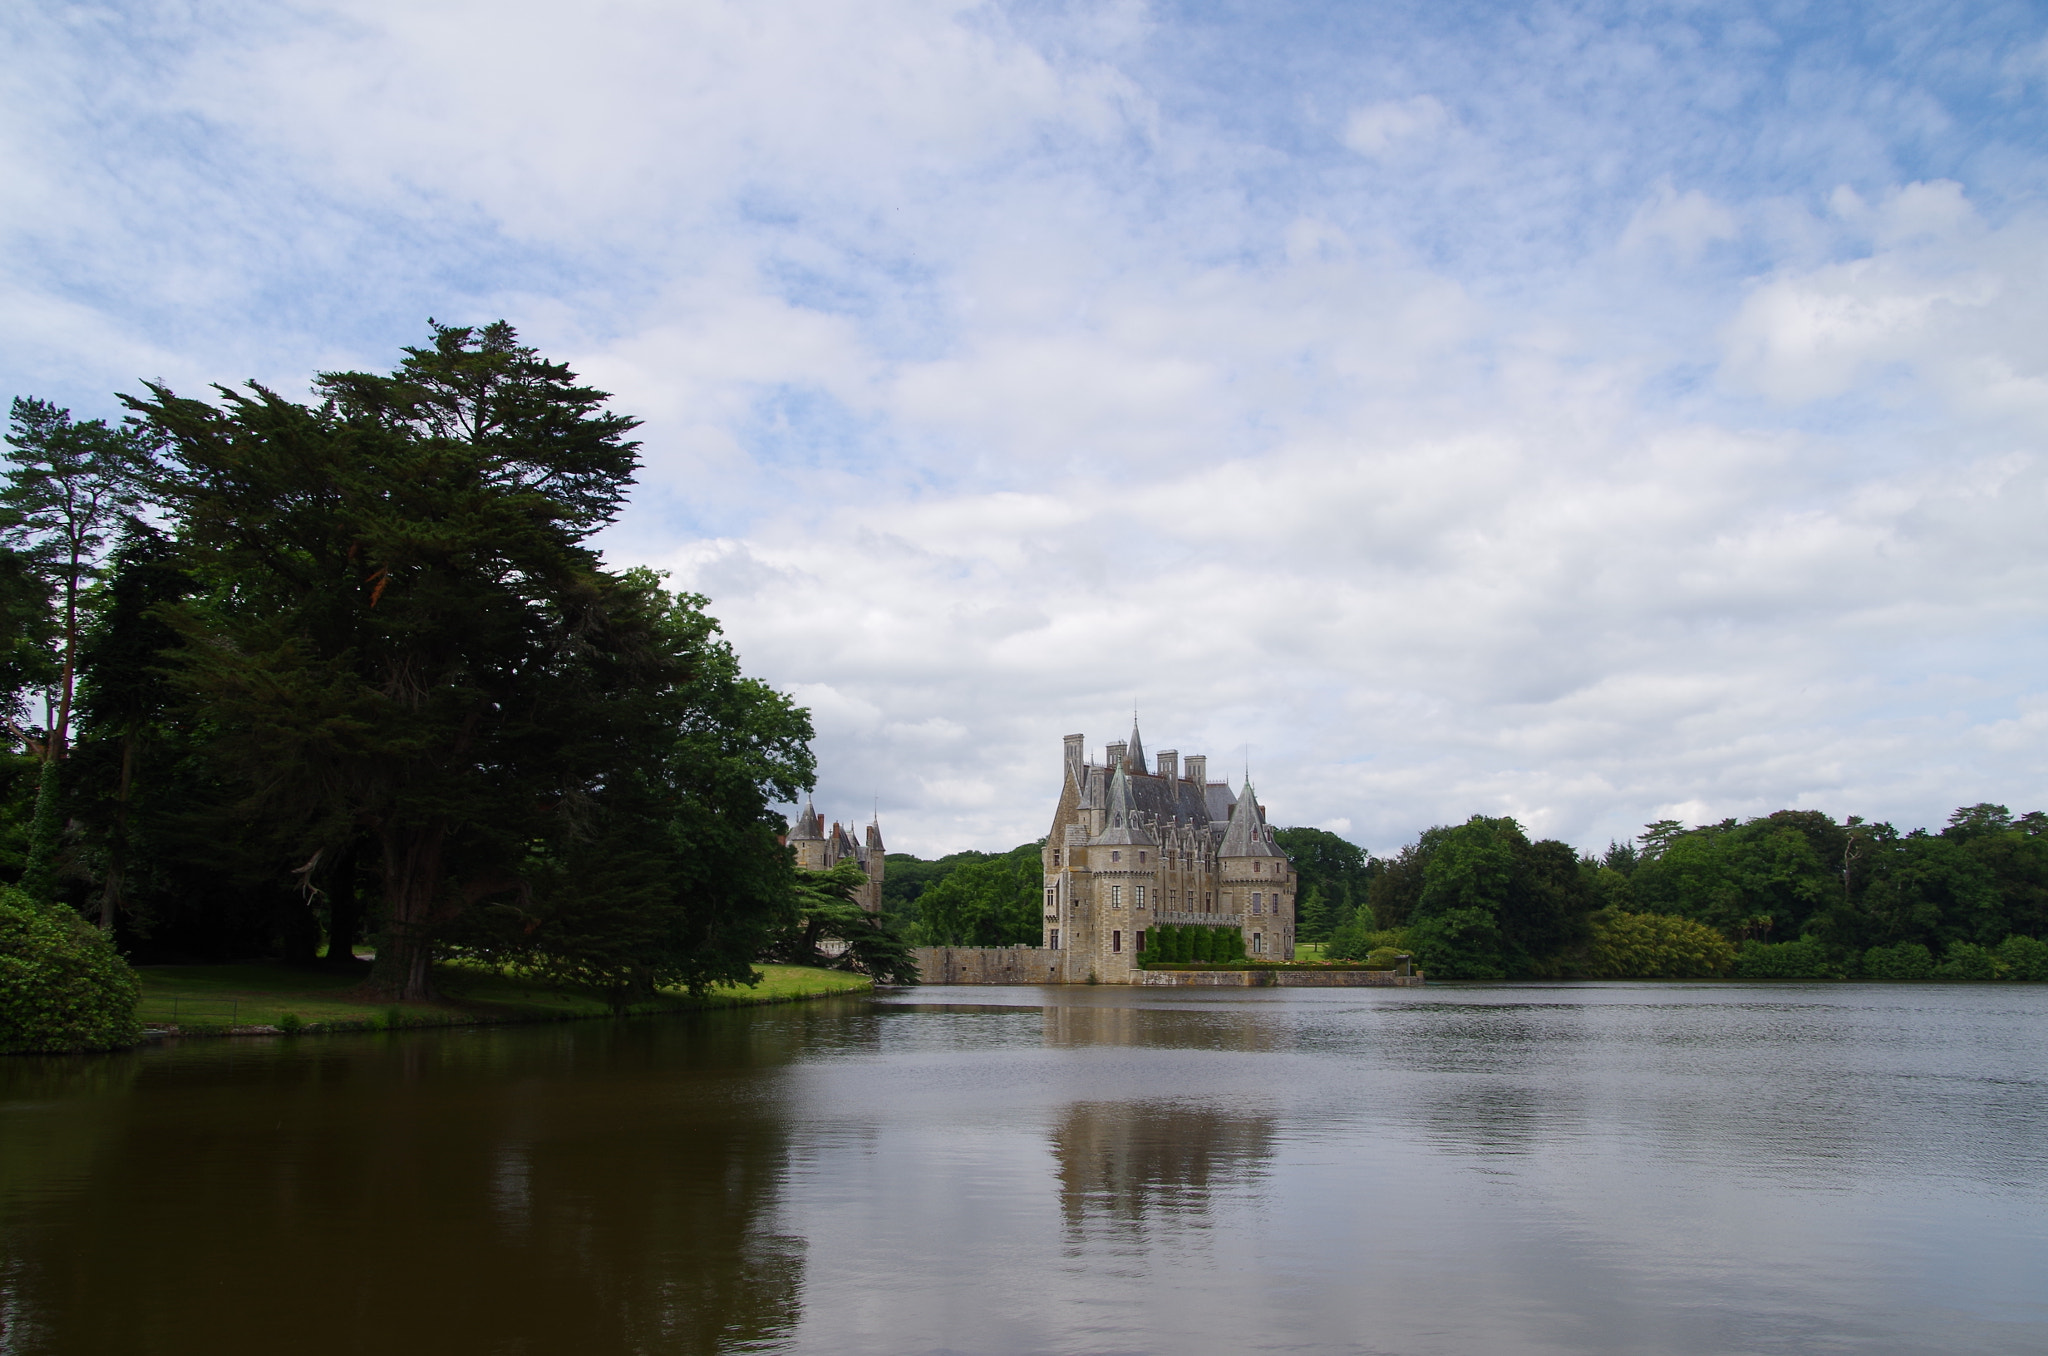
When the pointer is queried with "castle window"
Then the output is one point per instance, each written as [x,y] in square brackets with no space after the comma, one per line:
[1141,859]
[1116,896]
[1258,943]
[1053,944]
[1255,866]
[1141,940]
[1116,941]
[1116,856]
[1258,903]
[1055,856]
[1140,901]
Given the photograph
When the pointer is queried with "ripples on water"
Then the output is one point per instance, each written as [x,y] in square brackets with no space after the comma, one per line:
[1488,1169]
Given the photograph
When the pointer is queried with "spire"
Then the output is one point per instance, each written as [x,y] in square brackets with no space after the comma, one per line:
[807,825]
[875,834]
[1246,836]
[1122,823]
[1137,750]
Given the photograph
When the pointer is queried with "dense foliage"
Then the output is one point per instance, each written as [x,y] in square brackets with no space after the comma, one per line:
[1333,876]
[63,988]
[982,901]
[832,931]
[311,671]
[1172,944]
[1791,895]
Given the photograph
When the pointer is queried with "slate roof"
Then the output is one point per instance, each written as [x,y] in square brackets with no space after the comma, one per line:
[807,825]
[1246,836]
[1125,826]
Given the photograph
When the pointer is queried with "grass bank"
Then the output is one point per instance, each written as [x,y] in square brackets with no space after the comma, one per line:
[219,999]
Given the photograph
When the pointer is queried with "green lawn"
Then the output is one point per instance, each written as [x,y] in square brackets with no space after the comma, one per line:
[212,998]
[1308,951]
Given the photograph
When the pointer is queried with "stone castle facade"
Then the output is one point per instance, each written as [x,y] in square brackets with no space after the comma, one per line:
[816,850]
[1136,846]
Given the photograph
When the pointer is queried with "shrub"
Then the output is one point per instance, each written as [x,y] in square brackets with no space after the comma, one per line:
[291,1023]
[1803,959]
[1655,946]
[1459,944]
[1967,960]
[1907,960]
[2024,958]
[63,987]
[1383,958]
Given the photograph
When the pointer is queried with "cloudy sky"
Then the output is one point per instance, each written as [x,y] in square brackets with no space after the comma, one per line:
[1593,413]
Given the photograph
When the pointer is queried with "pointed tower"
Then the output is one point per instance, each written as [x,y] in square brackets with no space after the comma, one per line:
[1256,881]
[871,895]
[808,838]
[1136,755]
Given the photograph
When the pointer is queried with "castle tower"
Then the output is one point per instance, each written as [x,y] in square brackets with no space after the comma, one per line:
[1256,881]
[808,839]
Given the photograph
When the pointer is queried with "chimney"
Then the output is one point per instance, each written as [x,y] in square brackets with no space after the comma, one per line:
[1169,764]
[1198,768]
[1077,757]
[1116,754]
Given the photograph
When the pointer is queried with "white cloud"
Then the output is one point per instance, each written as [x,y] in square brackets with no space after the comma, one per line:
[1585,454]
[1395,125]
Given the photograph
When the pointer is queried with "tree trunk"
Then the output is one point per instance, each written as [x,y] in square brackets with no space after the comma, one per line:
[344,911]
[412,898]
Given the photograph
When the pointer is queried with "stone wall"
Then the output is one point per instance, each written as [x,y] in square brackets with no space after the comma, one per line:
[996,965]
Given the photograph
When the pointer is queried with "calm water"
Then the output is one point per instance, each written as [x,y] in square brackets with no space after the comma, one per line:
[1503,1169]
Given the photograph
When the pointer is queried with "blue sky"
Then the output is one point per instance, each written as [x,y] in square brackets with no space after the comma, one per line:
[1593,413]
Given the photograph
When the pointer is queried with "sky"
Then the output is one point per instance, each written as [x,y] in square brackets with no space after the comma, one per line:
[1593,413]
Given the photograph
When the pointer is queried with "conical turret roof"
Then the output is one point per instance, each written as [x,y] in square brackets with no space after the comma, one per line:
[1123,824]
[1136,753]
[807,825]
[1246,836]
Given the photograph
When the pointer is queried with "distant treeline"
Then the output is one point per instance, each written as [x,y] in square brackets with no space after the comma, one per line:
[1788,895]
[1794,894]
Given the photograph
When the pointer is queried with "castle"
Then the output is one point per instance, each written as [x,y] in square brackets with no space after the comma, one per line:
[1133,848]
[815,851]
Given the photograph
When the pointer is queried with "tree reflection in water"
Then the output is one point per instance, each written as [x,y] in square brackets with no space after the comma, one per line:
[494,1191]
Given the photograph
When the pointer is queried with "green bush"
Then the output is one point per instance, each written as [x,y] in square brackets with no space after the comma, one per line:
[63,987]
[2024,958]
[1655,946]
[1967,960]
[1907,960]
[1803,959]
[1384,958]
[1459,944]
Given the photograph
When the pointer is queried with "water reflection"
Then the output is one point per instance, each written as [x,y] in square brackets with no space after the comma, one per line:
[1601,1170]
[572,1189]
[1125,1162]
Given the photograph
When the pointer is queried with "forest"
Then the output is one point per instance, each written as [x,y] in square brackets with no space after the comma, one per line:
[280,676]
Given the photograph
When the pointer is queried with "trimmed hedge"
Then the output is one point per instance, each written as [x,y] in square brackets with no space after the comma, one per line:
[63,987]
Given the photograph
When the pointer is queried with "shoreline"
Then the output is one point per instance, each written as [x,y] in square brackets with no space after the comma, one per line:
[269,1000]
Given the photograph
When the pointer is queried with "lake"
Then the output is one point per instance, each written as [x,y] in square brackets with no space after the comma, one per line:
[1466,1170]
